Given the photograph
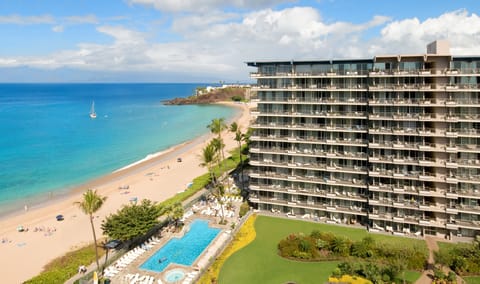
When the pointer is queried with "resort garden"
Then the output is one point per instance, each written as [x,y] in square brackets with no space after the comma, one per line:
[461,258]
[313,252]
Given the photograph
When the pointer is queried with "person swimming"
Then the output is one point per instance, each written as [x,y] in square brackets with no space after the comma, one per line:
[162,260]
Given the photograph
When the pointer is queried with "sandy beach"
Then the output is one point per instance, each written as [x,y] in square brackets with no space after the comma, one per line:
[23,254]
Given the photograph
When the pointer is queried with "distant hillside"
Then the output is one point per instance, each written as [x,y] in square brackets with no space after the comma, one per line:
[217,95]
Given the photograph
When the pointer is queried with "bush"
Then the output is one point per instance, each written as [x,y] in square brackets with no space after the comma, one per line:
[316,234]
[298,246]
[337,273]
[237,98]
[363,248]
[65,267]
[341,246]
[243,209]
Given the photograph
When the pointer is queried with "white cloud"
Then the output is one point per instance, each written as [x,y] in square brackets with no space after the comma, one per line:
[123,35]
[26,20]
[87,19]
[58,29]
[217,44]
[204,5]
[411,35]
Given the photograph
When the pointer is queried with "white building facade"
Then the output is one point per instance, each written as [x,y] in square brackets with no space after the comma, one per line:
[392,143]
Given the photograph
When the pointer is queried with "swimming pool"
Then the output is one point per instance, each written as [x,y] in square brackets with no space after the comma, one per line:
[185,250]
[174,275]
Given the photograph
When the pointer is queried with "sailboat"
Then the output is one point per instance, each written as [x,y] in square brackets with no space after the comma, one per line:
[93,114]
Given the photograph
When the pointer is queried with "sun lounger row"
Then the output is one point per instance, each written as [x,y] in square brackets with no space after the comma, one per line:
[218,212]
[187,215]
[140,279]
[110,271]
[126,259]
[232,199]
[190,277]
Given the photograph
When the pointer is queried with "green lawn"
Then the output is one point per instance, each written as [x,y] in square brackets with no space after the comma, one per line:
[472,279]
[412,276]
[259,262]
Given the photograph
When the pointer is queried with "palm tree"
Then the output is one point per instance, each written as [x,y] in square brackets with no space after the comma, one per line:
[174,212]
[216,127]
[239,137]
[208,157]
[219,192]
[90,204]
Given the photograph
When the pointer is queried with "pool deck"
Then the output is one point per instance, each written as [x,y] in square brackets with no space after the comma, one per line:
[203,211]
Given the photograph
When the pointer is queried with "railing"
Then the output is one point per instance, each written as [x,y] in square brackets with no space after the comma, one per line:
[313,139]
[311,165]
[354,114]
[468,162]
[317,100]
[313,152]
[311,126]
[371,72]
[310,178]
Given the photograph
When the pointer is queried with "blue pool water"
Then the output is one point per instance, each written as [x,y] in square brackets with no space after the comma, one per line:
[175,275]
[185,250]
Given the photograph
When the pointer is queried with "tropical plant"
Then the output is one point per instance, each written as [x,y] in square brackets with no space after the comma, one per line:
[90,204]
[208,157]
[239,137]
[173,211]
[217,144]
[219,191]
[131,221]
[216,126]
[363,248]
[243,209]
[341,246]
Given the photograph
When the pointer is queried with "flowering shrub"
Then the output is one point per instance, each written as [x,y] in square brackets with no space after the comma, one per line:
[349,279]
[244,236]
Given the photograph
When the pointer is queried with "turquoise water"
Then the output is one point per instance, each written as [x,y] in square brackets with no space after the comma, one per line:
[49,143]
[183,251]
[174,275]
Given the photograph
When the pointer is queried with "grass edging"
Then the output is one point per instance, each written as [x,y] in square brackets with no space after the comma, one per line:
[65,267]
[245,235]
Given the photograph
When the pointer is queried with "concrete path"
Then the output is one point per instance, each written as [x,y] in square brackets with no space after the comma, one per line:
[427,275]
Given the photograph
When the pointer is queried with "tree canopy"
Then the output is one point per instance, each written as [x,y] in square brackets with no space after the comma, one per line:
[173,211]
[131,221]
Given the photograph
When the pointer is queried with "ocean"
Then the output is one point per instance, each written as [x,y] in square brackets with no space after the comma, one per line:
[49,144]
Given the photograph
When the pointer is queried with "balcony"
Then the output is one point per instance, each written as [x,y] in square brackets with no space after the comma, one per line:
[469,178]
[309,179]
[468,224]
[436,207]
[309,139]
[468,208]
[468,193]
[468,163]
[472,132]
[468,147]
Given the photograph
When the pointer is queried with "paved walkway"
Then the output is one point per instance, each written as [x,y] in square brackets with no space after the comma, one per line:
[427,275]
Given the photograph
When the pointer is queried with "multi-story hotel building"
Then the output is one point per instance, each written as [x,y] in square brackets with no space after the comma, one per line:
[392,142]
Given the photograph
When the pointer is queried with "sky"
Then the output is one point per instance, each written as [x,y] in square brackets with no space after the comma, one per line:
[210,40]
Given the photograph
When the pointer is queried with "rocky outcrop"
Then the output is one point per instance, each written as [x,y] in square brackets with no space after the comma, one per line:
[217,95]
